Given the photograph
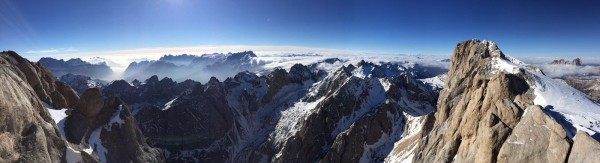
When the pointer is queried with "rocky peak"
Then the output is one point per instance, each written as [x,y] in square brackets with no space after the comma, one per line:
[136,83]
[152,80]
[299,73]
[214,86]
[474,96]
[242,57]
[575,62]
[487,112]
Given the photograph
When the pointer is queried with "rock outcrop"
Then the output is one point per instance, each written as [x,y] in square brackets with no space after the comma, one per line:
[585,149]
[477,109]
[591,87]
[537,138]
[109,129]
[575,62]
[487,113]
[34,131]
[27,131]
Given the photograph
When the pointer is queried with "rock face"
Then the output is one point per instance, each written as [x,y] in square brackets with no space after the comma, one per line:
[476,109]
[585,149]
[90,102]
[591,87]
[109,129]
[575,62]
[105,130]
[486,113]
[537,138]
[27,131]
[42,81]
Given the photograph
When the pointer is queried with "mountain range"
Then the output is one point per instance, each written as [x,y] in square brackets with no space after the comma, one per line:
[488,107]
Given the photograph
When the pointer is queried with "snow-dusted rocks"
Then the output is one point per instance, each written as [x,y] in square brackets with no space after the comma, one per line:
[490,110]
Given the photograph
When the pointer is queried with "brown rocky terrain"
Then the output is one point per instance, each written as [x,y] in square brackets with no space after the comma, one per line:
[591,87]
[29,133]
[488,116]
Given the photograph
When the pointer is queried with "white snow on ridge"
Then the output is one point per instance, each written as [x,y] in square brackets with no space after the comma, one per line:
[411,129]
[292,118]
[436,81]
[115,119]
[59,117]
[375,97]
[168,104]
[95,144]
[575,106]
[570,107]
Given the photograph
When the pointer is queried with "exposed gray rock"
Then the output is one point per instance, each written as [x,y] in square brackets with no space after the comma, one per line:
[90,102]
[536,138]
[477,109]
[591,87]
[575,62]
[27,132]
[585,149]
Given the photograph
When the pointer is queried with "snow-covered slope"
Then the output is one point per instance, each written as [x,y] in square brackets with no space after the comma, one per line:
[570,107]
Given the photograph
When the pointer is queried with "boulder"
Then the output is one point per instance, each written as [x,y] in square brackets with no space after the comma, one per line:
[536,138]
[90,102]
[585,149]
[70,96]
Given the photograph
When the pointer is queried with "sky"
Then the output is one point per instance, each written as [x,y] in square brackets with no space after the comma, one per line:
[521,28]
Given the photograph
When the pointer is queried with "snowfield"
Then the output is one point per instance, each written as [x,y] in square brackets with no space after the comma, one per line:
[570,107]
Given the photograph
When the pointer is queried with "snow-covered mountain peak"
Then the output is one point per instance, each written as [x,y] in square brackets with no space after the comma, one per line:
[381,70]
[572,108]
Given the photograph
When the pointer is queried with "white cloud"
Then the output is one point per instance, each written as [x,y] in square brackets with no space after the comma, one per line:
[60,50]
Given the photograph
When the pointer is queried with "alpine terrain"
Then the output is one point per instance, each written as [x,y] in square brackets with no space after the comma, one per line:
[487,107]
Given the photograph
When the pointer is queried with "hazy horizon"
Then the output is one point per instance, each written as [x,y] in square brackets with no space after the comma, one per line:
[537,29]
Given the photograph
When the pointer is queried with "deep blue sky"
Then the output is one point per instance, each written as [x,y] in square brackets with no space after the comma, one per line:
[532,28]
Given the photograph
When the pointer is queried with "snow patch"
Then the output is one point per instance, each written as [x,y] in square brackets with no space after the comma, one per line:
[406,153]
[168,104]
[95,144]
[115,119]
[375,97]
[436,82]
[73,156]
[59,117]
[292,118]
